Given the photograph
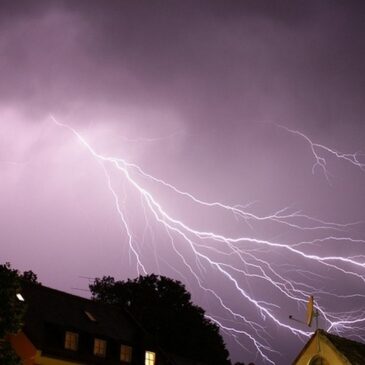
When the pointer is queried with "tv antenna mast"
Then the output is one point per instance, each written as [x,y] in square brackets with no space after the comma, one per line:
[311,313]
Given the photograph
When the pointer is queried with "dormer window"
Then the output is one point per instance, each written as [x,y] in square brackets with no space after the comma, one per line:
[126,353]
[90,316]
[71,341]
[99,347]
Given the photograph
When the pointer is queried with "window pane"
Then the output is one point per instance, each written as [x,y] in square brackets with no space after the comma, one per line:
[99,347]
[71,340]
[125,353]
[150,358]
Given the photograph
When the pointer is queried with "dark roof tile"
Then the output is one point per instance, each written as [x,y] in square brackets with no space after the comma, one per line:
[46,305]
[353,351]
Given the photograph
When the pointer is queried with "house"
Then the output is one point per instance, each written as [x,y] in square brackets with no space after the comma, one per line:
[64,329]
[327,349]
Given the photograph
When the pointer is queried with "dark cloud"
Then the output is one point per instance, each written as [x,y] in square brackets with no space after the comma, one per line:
[278,58]
[190,90]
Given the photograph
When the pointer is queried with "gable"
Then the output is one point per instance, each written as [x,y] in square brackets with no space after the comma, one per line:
[320,351]
[354,351]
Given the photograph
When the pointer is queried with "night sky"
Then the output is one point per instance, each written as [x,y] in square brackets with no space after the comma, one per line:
[240,137]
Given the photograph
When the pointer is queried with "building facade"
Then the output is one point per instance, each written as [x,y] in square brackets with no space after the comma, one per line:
[327,349]
[64,329]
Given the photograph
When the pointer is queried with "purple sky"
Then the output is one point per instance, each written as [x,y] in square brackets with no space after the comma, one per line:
[193,93]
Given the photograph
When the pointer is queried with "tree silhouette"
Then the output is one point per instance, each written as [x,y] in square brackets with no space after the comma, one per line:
[163,306]
[11,309]
[11,312]
[29,276]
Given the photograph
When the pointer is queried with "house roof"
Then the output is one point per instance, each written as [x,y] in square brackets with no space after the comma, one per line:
[353,351]
[50,307]
[53,307]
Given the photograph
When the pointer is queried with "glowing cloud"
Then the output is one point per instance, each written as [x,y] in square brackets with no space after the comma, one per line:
[234,258]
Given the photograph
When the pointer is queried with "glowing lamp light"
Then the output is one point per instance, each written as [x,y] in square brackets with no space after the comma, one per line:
[20,297]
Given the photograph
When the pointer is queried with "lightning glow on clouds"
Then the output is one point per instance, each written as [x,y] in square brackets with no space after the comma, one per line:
[177,166]
[234,257]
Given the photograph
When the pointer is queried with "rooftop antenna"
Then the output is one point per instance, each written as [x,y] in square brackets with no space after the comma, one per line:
[311,313]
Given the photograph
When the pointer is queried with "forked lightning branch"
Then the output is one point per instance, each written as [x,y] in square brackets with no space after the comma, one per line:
[243,256]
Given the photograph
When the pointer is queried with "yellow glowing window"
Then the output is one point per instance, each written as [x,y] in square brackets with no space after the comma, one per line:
[125,353]
[150,358]
[71,341]
[99,347]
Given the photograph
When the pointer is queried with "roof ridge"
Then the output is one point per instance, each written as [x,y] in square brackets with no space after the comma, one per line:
[70,295]
[344,339]
[41,287]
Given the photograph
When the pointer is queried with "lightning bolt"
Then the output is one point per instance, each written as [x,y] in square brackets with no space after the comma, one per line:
[242,259]
[354,159]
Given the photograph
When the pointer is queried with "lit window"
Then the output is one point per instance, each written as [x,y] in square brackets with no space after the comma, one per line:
[99,347]
[150,358]
[125,353]
[71,341]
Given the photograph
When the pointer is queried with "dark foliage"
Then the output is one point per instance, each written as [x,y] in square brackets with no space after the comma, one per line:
[163,306]
[11,312]
[7,355]
[30,277]
[11,309]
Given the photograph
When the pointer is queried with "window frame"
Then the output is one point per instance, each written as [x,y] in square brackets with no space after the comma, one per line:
[126,356]
[150,357]
[71,341]
[100,346]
